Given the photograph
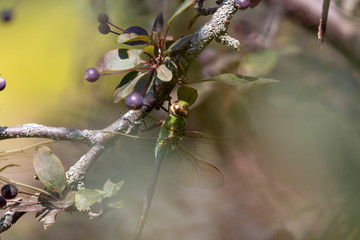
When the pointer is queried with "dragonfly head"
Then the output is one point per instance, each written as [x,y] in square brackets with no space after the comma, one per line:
[180,108]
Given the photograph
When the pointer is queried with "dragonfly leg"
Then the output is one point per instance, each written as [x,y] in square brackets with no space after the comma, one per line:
[159,123]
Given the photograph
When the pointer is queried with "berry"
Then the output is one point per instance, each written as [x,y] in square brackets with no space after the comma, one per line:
[9,191]
[6,15]
[103,18]
[91,75]
[104,28]
[2,83]
[242,4]
[134,101]
[2,202]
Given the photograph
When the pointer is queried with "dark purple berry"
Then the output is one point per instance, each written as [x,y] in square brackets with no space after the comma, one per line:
[103,18]
[104,28]
[2,83]
[9,191]
[134,101]
[242,4]
[2,202]
[91,75]
[6,15]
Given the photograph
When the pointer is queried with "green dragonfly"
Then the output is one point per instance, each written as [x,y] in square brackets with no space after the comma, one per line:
[182,147]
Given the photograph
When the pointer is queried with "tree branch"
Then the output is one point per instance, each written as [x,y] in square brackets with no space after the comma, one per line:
[340,29]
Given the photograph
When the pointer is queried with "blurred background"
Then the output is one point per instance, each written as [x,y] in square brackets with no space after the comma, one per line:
[300,182]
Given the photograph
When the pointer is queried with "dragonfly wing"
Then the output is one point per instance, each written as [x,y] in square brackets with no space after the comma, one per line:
[192,171]
[208,147]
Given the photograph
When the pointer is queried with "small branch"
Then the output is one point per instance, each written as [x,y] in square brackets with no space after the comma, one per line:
[203,11]
[323,21]
[229,41]
[8,219]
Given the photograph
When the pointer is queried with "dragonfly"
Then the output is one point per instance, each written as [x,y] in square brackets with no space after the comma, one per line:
[182,147]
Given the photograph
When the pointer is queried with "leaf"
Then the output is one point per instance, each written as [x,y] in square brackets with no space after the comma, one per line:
[193,20]
[179,10]
[132,39]
[149,49]
[125,89]
[119,59]
[84,198]
[111,189]
[163,73]
[116,205]
[181,42]
[187,94]
[48,216]
[68,201]
[158,24]
[49,169]
[139,31]
[240,80]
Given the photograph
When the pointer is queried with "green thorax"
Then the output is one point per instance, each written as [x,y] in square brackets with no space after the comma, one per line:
[173,128]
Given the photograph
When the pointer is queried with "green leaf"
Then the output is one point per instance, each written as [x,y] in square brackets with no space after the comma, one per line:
[111,189]
[240,80]
[193,20]
[149,49]
[119,59]
[181,42]
[116,205]
[131,37]
[49,169]
[163,73]
[125,89]
[68,201]
[179,10]
[84,198]
[187,94]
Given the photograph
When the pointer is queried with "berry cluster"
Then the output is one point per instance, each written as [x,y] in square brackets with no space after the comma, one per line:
[126,60]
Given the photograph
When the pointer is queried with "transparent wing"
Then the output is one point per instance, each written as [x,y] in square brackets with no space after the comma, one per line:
[208,147]
[192,171]
[10,161]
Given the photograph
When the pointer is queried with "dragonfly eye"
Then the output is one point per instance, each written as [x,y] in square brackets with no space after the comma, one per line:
[9,191]
[179,110]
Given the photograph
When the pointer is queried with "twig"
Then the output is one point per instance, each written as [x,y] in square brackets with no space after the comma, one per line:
[323,20]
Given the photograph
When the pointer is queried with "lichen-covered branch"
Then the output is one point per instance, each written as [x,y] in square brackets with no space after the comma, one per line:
[33,130]
[8,219]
